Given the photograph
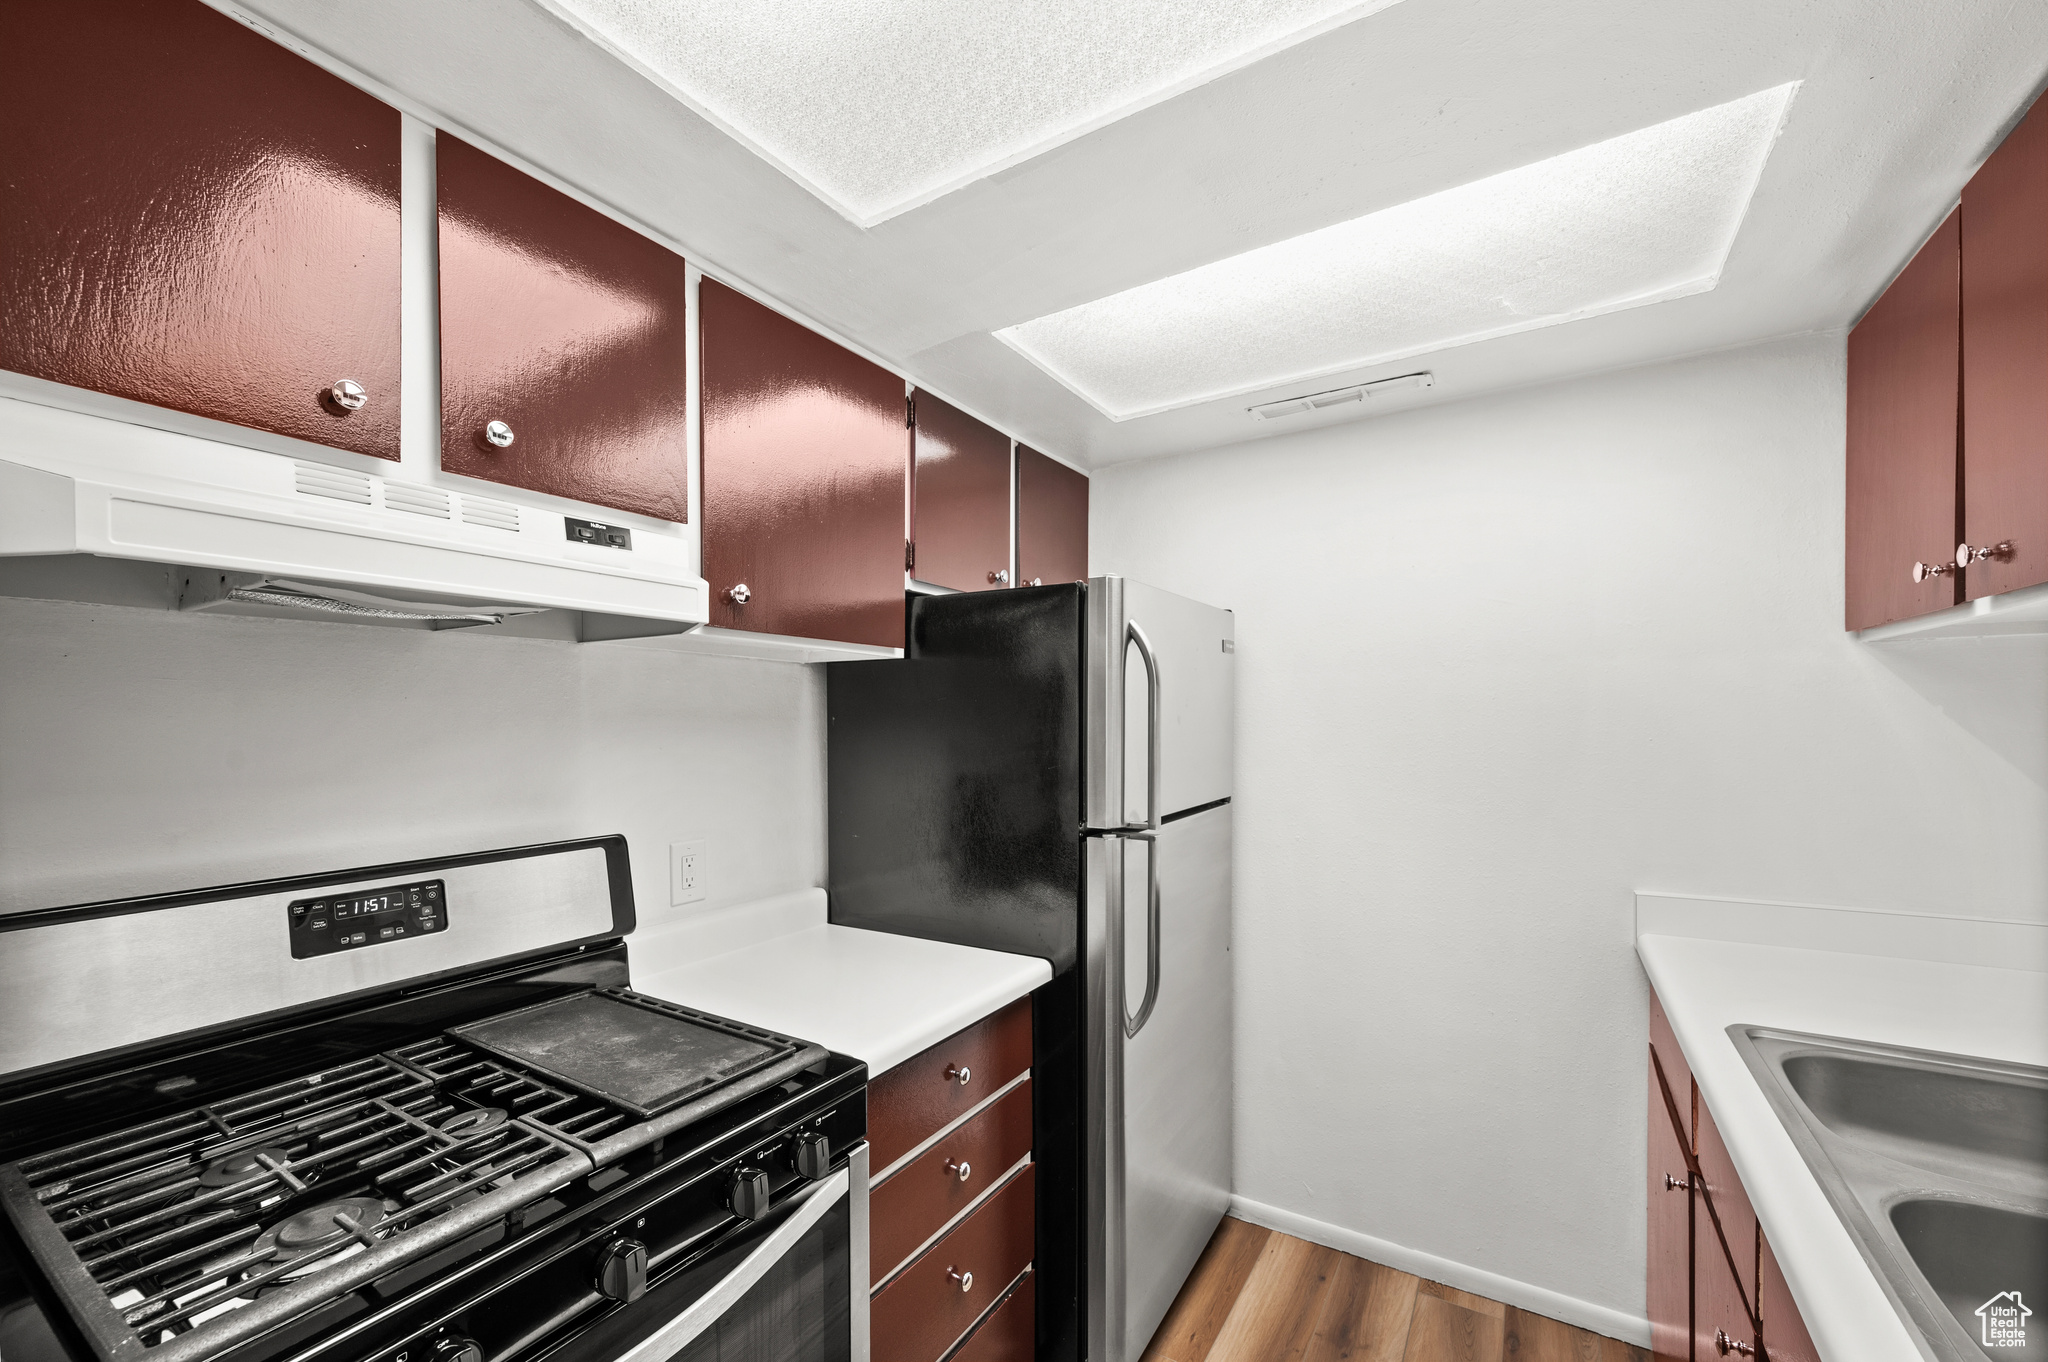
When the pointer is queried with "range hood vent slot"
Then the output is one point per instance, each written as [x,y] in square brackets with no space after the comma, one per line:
[217,590]
[319,480]
[496,515]
[404,496]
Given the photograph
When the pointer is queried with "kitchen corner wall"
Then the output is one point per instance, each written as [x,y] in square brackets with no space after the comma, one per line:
[1501,663]
[143,751]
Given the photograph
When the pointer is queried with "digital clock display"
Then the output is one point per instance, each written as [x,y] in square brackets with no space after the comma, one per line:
[340,922]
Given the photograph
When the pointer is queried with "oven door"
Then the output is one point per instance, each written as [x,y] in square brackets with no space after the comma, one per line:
[791,1288]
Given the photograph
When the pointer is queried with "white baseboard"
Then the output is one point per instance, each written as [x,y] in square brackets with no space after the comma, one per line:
[1536,1299]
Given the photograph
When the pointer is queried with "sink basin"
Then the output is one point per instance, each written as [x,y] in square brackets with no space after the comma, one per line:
[1971,1253]
[1950,1121]
[1937,1165]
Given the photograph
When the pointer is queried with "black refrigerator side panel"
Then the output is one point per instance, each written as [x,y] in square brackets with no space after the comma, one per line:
[954,779]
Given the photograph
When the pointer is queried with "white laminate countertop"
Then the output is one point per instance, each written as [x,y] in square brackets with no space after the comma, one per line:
[779,964]
[1891,978]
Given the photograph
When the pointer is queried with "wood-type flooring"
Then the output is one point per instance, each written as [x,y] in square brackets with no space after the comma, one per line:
[1261,1296]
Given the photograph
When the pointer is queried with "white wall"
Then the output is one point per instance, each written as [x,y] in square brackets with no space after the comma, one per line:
[143,751]
[1502,663]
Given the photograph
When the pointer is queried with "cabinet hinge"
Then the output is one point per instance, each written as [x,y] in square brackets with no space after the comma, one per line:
[910,412]
[909,555]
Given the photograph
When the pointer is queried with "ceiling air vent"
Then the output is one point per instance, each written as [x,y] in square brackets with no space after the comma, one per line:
[496,515]
[400,496]
[319,480]
[1337,397]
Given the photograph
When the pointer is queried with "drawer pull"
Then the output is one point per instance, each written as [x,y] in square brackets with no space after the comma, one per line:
[1726,1345]
[1683,1184]
[958,1073]
[960,1169]
[966,1279]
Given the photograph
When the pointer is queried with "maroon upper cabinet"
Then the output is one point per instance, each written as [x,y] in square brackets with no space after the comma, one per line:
[563,340]
[1902,439]
[960,498]
[2005,362]
[806,456]
[1052,520]
[197,218]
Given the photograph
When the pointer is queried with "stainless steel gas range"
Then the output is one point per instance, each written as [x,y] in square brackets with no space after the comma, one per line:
[409,1113]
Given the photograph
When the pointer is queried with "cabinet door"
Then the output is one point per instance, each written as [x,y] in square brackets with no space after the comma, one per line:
[1723,1198]
[1670,1245]
[960,499]
[197,218]
[1903,396]
[1052,521]
[1784,1332]
[2005,361]
[566,328]
[1719,1309]
[806,457]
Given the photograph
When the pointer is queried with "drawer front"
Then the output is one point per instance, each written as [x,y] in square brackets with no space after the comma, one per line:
[1677,1074]
[1731,1208]
[918,1316]
[1719,1307]
[917,1201]
[1011,1333]
[923,1095]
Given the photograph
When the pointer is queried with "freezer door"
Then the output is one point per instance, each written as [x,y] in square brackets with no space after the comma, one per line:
[1149,647]
[1160,1069]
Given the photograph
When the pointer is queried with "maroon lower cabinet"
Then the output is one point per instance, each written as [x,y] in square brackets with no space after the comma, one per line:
[1669,1293]
[197,218]
[806,454]
[959,498]
[1721,1323]
[919,1199]
[932,1089]
[1724,1201]
[1009,1334]
[1784,1332]
[938,1298]
[2005,354]
[563,338]
[1052,521]
[1904,390]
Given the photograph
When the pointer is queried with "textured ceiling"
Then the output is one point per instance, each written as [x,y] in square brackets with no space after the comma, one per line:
[1898,102]
[1637,219]
[877,109]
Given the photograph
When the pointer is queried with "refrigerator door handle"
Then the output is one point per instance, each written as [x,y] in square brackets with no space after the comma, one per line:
[1133,634]
[1134,1023]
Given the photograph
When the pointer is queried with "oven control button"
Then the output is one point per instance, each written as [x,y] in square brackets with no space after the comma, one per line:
[456,1348]
[813,1155]
[622,1271]
[749,1193]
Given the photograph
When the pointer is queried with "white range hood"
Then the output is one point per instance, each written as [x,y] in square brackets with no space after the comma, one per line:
[394,541]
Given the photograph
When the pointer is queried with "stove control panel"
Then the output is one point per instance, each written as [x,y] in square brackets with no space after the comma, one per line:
[343,922]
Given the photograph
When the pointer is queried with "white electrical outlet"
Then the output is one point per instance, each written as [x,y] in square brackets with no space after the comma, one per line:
[686,872]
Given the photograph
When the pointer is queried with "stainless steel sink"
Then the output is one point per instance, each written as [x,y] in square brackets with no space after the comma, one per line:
[1938,1166]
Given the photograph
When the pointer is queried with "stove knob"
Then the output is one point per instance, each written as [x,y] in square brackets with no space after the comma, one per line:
[749,1193]
[621,1271]
[456,1348]
[813,1155]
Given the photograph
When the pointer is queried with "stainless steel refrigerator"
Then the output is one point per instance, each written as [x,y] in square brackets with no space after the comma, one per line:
[1048,771]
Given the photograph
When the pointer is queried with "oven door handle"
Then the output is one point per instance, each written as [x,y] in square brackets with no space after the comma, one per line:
[702,1313]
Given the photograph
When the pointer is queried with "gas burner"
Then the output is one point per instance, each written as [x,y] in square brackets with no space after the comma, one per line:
[471,1124]
[315,1229]
[230,1169]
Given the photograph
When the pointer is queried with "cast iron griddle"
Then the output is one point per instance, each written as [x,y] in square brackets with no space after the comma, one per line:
[638,1053]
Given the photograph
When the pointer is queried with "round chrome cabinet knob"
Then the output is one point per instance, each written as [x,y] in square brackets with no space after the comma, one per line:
[1000,577]
[959,1073]
[499,434]
[960,1168]
[1966,554]
[1672,1184]
[1926,571]
[739,595]
[348,395]
[966,1279]
[1725,1345]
